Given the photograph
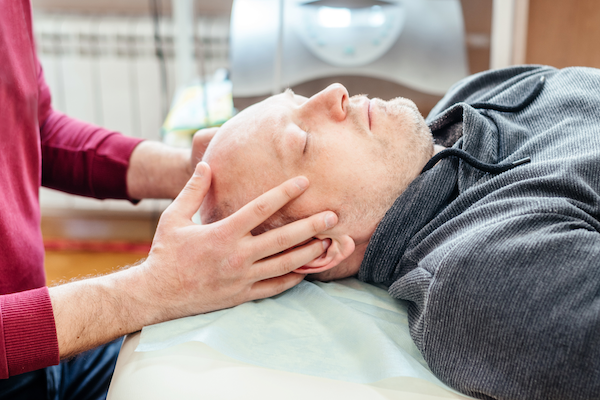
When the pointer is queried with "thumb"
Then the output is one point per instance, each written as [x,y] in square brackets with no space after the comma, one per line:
[190,198]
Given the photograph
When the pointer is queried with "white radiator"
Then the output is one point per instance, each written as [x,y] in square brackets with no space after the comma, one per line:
[104,70]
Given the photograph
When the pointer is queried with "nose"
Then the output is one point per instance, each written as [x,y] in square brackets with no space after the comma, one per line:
[333,100]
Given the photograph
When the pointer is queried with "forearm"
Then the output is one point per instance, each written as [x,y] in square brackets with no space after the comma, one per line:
[92,312]
[157,171]
[84,159]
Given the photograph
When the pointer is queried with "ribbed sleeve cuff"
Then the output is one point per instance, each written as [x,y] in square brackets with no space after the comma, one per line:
[28,331]
[109,169]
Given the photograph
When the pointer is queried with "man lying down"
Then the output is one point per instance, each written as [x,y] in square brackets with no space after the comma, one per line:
[494,240]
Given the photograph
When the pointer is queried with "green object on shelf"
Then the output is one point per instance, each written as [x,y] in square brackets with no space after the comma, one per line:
[197,106]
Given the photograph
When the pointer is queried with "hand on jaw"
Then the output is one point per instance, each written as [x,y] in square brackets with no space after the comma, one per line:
[198,269]
[191,268]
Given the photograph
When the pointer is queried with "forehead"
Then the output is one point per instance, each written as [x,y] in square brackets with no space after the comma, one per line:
[271,114]
[258,129]
[245,154]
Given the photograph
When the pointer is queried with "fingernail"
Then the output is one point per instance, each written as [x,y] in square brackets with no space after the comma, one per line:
[302,183]
[330,220]
[326,244]
[200,169]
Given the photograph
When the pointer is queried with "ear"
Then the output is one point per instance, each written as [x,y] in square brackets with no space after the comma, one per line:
[341,248]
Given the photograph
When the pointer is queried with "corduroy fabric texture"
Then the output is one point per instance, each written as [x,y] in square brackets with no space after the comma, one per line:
[503,271]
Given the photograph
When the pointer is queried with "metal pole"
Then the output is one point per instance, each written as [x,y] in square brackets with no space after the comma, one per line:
[278,62]
[501,50]
[183,22]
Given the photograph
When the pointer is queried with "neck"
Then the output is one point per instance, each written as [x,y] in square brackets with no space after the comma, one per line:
[437,148]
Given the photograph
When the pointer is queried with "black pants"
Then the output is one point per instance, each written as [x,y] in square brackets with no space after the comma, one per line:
[85,377]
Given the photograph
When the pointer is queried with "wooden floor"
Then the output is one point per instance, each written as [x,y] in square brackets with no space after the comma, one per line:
[63,266]
[81,238]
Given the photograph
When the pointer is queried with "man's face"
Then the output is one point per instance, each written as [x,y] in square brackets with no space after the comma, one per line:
[358,155]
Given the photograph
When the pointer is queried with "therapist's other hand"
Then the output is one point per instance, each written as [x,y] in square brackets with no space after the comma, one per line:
[200,142]
[193,269]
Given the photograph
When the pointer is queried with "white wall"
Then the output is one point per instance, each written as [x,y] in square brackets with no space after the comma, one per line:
[103,69]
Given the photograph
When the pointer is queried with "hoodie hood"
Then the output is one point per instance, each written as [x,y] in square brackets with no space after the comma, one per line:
[468,130]
[500,264]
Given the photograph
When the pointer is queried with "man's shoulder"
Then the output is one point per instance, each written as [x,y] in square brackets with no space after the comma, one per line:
[487,84]
[527,95]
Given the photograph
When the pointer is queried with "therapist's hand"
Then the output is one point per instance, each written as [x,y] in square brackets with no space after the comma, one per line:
[200,142]
[193,269]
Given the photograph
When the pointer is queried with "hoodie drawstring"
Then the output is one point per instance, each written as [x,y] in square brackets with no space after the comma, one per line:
[472,161]
[517,107]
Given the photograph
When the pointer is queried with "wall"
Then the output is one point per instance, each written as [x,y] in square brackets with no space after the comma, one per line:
[103,69]
[564,33]
[477,15]
[131,7]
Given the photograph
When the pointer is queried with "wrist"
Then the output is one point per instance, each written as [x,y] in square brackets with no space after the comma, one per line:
[141,297]
[94,311]
[157,171]
[148,296]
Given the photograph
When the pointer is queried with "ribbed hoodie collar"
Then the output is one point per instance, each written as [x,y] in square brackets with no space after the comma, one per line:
[424,198]
[429,194]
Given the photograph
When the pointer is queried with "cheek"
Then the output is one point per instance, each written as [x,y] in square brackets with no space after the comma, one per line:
[207,207]
[332,168]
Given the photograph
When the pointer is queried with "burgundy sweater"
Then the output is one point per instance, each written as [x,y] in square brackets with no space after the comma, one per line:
[39,145]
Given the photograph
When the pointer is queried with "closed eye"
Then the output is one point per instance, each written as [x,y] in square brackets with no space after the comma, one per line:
[306,143]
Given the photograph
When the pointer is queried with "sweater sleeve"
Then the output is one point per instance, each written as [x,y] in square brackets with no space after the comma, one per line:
[29,333]
[78,157]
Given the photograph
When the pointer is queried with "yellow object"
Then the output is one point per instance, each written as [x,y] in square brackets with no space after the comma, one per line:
[195,107]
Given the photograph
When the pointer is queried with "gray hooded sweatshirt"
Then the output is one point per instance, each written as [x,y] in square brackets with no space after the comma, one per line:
[502,269]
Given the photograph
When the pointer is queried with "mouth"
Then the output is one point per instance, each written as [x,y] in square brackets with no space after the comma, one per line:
[368,112]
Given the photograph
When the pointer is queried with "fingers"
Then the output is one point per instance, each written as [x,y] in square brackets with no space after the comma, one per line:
[200,142]
[261,208]
[275,286]
[290,260]
[204,136]
[189,200]
[285,237]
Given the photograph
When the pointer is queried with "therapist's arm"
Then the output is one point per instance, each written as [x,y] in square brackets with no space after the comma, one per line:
[158,171]
[191,268]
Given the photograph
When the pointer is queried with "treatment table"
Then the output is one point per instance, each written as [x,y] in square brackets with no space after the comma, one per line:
[181,360]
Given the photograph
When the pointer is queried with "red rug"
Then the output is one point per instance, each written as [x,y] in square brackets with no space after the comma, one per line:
[96,246]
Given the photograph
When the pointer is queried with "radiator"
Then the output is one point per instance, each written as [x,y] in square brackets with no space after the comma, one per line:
[103,69]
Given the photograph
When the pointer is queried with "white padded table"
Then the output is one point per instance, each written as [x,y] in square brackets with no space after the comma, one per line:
[193,370]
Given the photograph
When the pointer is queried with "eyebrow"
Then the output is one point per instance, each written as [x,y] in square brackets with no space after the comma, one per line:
[278,140]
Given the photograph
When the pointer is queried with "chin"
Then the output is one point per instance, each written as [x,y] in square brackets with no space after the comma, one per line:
[403,101]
